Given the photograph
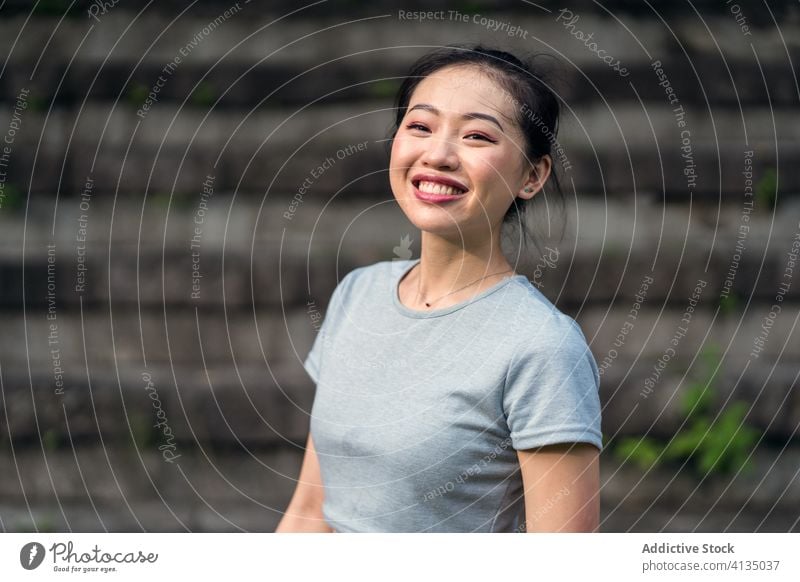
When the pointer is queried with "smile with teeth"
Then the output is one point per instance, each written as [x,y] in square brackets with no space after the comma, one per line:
[439,189]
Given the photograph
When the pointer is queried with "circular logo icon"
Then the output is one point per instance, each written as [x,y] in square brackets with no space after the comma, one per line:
[31,555]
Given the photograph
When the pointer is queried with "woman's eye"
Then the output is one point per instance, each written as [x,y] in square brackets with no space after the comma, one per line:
[480,136]
[417,126]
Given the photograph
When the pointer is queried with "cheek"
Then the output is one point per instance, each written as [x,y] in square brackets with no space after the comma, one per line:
[495,176]
[500,168]
[398,166]
[401,153]
[489,169]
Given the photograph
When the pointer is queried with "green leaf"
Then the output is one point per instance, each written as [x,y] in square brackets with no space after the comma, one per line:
[50,440]
[137,94]
[204,95]
[767,189]
[696,399]
[643,452]
[688,442]
[729,304]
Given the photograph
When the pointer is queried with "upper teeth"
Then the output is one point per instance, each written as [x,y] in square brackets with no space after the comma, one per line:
[437,188]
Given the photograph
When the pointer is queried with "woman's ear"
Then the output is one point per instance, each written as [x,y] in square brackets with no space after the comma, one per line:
[538,173]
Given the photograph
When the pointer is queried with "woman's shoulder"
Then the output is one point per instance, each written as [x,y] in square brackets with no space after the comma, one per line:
[545,334]
[540,321]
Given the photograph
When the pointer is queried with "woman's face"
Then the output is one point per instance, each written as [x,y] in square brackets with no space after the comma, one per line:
[458,159]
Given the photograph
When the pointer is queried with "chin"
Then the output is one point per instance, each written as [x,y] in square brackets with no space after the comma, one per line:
[433,220]
[430,217]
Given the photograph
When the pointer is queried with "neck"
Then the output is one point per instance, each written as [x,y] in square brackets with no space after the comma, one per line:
[447,265]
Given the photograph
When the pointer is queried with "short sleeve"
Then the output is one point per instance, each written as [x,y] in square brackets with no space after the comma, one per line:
[551,394]
[313,362]
[314,358]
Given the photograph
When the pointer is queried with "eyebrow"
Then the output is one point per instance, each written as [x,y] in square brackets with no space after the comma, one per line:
[473,115]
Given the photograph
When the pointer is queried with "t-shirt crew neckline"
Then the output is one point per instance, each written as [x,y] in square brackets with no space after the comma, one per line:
[444,310]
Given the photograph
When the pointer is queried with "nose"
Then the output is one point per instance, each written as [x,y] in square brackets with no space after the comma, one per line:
[440,153]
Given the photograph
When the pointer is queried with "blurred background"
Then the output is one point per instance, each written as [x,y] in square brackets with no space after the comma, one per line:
[182,184]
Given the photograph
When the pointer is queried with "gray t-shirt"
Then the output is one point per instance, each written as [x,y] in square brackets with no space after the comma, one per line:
[418,415]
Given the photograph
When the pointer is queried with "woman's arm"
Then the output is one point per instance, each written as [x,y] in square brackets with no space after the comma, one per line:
[304,513]
[562,487]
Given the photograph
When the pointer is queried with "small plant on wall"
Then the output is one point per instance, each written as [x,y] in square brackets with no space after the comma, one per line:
[711,442]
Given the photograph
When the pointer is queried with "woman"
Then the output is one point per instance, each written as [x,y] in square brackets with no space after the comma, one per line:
[452,396]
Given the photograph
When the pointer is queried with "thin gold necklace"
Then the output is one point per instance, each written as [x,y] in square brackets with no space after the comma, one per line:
[428,304]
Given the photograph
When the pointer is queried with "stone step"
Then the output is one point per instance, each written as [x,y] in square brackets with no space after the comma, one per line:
[96,488]
[273,84]
[234,491]
[153,516]
[108,473]
[606,251]
[769,482]
[629,8]
[343,149]
[770,389]
[323,32]
[185,336]
[679,520]
[264,404]
[169,405]
[180,336]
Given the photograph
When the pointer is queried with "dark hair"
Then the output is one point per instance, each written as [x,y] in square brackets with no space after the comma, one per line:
[537,107]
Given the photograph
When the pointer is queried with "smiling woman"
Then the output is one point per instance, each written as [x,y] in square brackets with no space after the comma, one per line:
[486,414]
